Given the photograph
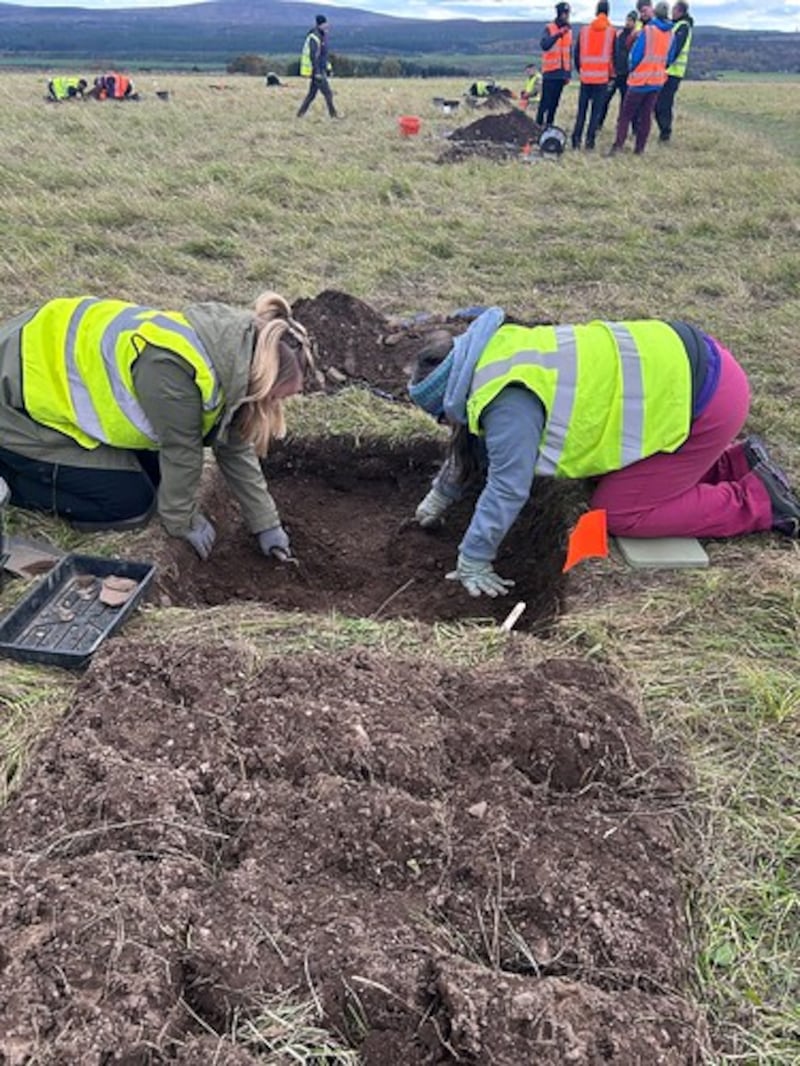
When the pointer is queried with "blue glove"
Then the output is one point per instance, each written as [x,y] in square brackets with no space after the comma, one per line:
[201,535]
[478,576]
[430,512]
[274,543]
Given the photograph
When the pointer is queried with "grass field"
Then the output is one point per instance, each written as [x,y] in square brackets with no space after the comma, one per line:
[220,193]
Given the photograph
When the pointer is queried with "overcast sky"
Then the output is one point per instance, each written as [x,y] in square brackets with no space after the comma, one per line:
[741,15]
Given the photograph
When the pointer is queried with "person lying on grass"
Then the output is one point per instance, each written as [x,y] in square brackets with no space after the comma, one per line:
[648,408]
[106,408]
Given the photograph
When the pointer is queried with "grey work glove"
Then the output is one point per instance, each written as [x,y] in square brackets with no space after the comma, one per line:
[430,511]
[201,535]
[274,543]
[478,576]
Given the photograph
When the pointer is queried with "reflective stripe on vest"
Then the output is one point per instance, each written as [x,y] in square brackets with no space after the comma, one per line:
[559,56]
[596,68]
[77,369]
[614,392]
[678,68]
[652,70]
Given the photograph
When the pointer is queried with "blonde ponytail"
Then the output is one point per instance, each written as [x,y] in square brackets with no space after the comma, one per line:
[282,353]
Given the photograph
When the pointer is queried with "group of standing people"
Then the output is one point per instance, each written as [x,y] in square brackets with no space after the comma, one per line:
[644,62]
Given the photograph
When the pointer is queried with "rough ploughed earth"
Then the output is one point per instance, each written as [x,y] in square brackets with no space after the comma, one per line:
[454,865]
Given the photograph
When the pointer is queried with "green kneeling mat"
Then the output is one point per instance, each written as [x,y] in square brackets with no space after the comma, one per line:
[665,553]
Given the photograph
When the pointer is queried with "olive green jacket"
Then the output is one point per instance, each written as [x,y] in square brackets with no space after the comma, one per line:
[169,397]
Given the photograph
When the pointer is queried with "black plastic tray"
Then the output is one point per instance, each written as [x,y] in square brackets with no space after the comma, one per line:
[59,622]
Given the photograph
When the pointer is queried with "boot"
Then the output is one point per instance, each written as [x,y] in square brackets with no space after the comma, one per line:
[785,504]
[756,452]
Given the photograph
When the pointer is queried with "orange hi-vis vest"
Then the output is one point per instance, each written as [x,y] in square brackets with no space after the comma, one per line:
[652,71]
[559,56]
[121,83]
[597,50]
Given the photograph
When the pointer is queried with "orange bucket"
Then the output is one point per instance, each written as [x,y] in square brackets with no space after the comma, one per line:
[409,125]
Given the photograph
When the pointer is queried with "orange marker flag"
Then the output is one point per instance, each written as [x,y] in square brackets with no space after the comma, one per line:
[589,539]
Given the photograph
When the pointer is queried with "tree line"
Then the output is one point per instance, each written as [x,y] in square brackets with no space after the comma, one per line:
[346,67]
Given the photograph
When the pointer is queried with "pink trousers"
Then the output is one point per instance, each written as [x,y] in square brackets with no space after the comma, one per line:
[705,488]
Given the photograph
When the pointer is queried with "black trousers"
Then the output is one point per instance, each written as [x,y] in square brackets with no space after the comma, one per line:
[548,102]
[80,493]
[318,84]
[618,85]
[590,96]
[664,107]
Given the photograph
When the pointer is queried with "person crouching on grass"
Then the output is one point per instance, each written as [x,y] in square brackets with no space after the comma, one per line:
[106,408]
[648,408]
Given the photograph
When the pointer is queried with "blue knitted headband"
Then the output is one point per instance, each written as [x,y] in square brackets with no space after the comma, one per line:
[429,393]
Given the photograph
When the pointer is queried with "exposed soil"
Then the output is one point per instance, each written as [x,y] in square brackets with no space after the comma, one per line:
[348,510]
[497,136]
[458,865]
[355,344]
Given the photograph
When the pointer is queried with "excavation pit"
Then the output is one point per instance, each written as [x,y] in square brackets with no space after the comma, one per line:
[349,511]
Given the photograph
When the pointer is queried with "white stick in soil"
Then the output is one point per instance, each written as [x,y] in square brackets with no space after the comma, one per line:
[513,616]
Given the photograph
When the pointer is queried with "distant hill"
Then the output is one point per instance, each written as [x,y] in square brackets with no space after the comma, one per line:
[219,30]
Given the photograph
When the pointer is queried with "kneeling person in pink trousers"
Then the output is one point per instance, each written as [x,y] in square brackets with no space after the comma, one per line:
[650,409]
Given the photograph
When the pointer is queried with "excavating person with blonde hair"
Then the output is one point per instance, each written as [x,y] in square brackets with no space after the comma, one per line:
[106,408]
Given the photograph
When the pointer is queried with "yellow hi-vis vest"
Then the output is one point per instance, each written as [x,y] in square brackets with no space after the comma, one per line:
[613,392]
[77,369]
[678,68]
[306,66]
[62,85]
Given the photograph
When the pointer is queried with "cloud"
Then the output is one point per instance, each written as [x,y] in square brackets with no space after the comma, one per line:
[746,15]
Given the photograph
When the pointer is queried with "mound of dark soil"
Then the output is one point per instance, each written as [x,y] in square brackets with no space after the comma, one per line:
[348,510]
[496,136]
[455,865]
[354,344]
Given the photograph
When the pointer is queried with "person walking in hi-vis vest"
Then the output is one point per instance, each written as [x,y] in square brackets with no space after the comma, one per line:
[106,408]
[594,61]
[650,409]
[646,76]
[315,65]
[677,60]
[556,45]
